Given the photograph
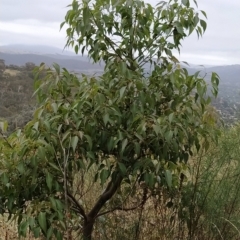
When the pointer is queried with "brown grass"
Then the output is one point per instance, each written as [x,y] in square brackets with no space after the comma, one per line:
[12,72]
[8,230]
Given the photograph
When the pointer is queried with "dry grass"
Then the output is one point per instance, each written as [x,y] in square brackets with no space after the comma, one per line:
[12,72]
[8,230]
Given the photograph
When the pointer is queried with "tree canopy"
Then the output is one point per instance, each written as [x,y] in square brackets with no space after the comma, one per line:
[122,129]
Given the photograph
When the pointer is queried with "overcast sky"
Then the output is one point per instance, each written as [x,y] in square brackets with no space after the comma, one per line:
[37,22]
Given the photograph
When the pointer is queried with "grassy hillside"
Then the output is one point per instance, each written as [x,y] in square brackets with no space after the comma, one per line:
[16,101]
[74,63]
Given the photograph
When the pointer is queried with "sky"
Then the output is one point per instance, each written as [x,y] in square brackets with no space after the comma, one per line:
[37,22]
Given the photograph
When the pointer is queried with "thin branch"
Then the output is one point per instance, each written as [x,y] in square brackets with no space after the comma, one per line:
[65,159]
[111,43]
[78,206]
[123,209]
[126,197]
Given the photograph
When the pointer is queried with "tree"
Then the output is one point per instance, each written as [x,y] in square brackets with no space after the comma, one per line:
[29,66]
[119,130]
[2,66]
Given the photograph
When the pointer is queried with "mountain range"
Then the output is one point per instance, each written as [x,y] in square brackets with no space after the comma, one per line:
[227,103]
[21,54]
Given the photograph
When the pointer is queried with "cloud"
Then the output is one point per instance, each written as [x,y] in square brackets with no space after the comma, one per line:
[220,42]
[206,59]
[43,10]
[37,22]
[33,22]
[31,31]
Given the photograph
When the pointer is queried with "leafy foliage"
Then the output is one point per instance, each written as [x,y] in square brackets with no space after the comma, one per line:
[131,31]
[131,129]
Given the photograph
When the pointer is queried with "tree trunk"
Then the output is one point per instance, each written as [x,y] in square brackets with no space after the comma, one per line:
[89,218]
[88,229]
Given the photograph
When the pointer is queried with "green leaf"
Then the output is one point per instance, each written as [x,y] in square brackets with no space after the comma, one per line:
[53,203]
[74,142]
[5,178]
[200,89]
[49,180]
[203,24]
[118,34]
[168,177]
[122,90]
[168,136]
[54,107]
[50,233]
[61,25]
[23,228]
[185,3]
[36,232]
[110,144]
[66,135]
[3,126]
[20,168]
[170,117]
[89,139]
[195,3]
[59,235]
[215,79]
[204,13]
[157,129]
[106,119]
[57,68]
[149,179]
[76,49]
[38,112]
[104,175]
[31,221]
[54,166]
[123,67]
[83,49]
[124,144]
[42,221]
[86,16]
[215,83]
[196,20]
[122,168]
[137,148]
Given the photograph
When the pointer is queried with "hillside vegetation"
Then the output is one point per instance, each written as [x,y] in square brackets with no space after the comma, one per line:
[16,95]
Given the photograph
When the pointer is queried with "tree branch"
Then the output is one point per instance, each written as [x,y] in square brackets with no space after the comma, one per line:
[78,206]
[108,193]
[123,209]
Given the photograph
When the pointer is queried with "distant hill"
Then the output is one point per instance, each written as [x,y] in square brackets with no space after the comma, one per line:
[73,63]
[229,74]
[20,54]
[227,103]
[228,100]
